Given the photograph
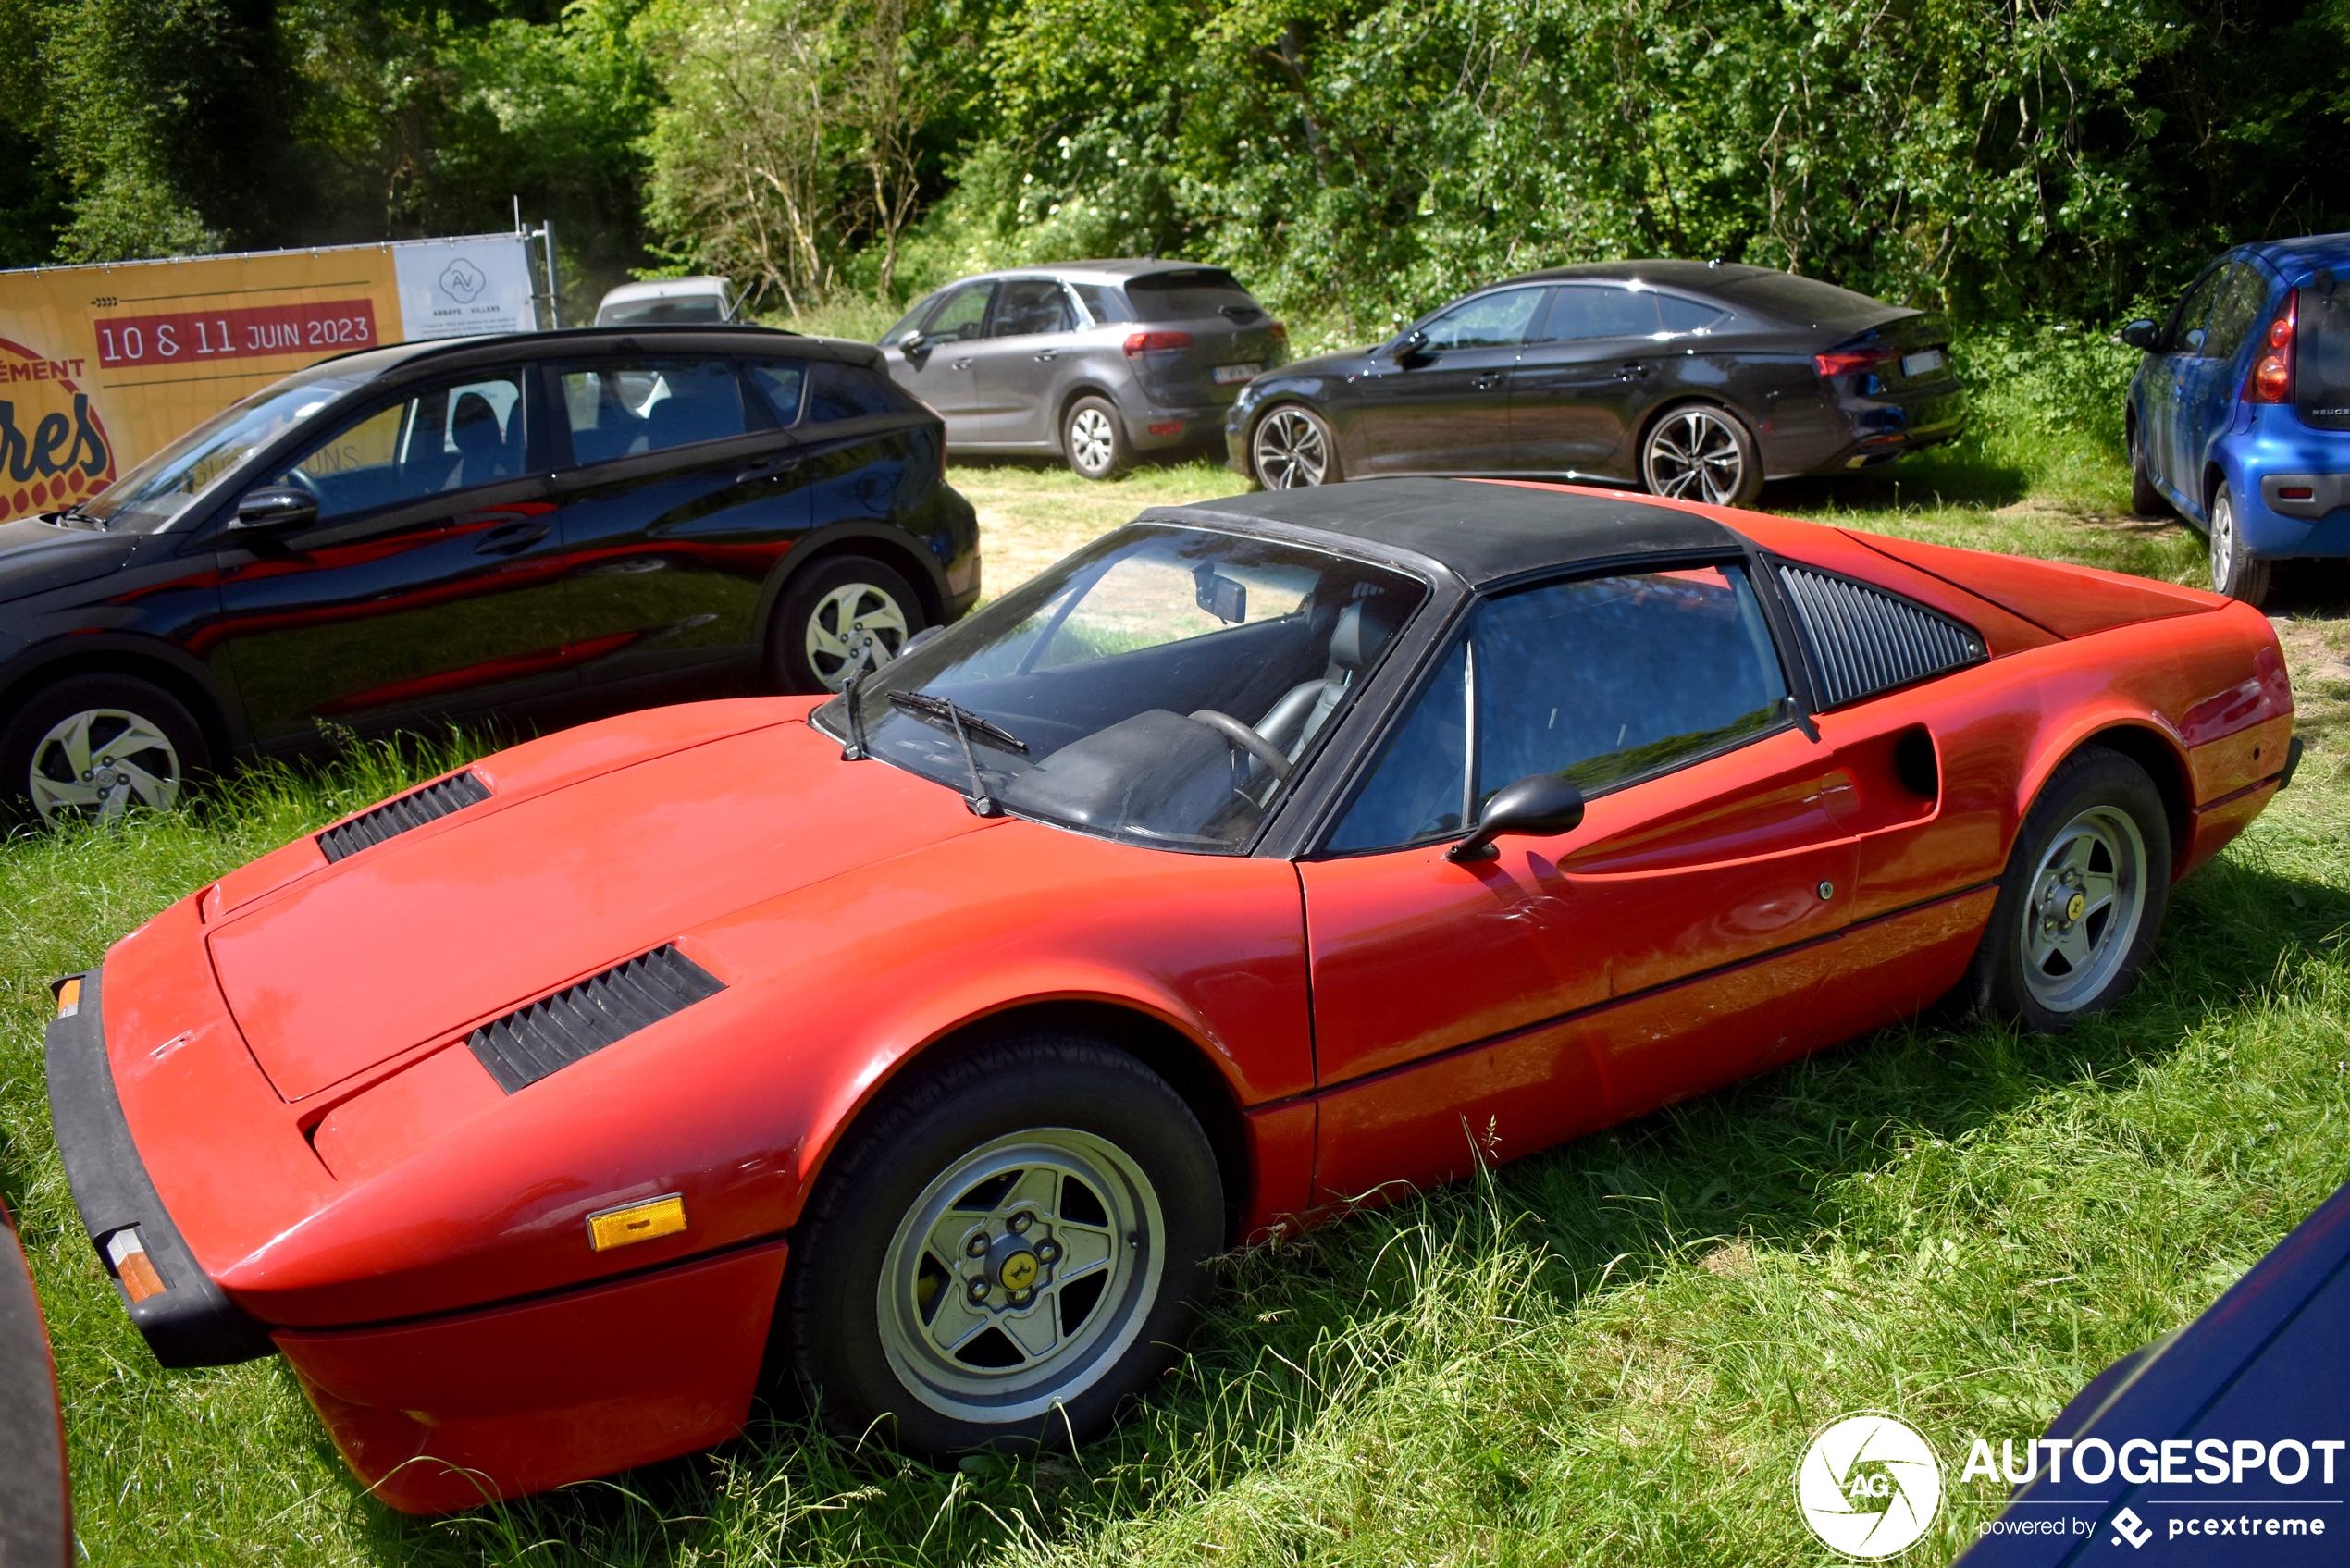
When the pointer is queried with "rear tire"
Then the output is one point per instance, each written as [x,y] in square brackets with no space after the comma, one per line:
[2081,906]
[2234,572]
[2147,498]
[1093,439]
[93,746]
[844,616]
[1700,452]
[1004,1251]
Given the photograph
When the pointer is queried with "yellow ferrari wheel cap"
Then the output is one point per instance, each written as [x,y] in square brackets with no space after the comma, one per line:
[1019,1271]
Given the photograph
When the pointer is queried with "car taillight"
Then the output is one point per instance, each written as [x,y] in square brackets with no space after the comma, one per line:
[1839,362]
[2271,377]
[1280,331]
[1150,342]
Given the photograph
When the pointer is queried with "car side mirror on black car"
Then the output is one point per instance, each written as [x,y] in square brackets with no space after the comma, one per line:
[1539,806]
[1409,347]
[274,509]
[2144,335]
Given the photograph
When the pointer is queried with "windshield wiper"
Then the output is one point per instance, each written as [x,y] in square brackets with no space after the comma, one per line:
[965,724]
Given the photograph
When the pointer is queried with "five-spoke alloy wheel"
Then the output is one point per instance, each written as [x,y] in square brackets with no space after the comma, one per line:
[1291,449]
[1700,452]
[1006,1247]
[93,747]
[840,619]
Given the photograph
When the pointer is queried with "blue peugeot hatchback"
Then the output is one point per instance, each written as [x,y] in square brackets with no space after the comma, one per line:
[2239,417]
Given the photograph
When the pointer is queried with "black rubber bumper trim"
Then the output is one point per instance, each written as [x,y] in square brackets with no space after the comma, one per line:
[2292,764]
[191,1322]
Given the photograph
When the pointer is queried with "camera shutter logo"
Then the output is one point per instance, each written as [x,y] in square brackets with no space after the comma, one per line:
[1869,1485]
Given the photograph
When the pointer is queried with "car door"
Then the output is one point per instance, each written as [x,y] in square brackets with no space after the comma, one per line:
[431,582]
[2166,377]
[937,367]
[1575,388]
[678,493]
[2209,382]
[1014,367]
[1667,945]
[1443,407]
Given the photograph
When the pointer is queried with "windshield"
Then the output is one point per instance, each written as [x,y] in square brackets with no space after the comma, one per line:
[151,497]
[1162,685]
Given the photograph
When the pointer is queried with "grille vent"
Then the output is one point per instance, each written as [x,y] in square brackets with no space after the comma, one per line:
[1864,640]
[399,814]
[554,1031]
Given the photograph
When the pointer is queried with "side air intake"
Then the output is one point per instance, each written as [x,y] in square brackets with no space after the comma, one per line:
[1863,640]
[554,1031]
[399,814]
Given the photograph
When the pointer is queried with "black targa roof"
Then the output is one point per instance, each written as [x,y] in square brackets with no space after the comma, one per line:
[1484,532]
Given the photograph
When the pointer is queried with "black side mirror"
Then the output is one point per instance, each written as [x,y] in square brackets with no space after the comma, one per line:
[2143,336]
[1409,347]
[274,509]
[1539,806]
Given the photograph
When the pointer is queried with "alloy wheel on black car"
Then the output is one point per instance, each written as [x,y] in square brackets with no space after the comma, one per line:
[93,747]
[1700,452]
[1291,449]
[842,618]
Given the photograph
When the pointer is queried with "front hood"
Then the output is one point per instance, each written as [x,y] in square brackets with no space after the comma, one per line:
[424,936]
[36,557]
[1347,362]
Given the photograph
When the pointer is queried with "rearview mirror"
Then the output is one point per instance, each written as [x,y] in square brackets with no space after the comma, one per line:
[274,509]
[1538,806]
[2143,335]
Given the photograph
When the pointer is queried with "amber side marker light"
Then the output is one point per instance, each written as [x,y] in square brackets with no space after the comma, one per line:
[664,1215]
[132,1267]
[69,991]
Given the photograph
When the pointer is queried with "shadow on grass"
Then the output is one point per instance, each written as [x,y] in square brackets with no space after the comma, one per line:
[1942,476]
[1771,1161]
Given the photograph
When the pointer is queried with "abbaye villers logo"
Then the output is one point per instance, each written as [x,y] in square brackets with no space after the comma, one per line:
[1869,1485]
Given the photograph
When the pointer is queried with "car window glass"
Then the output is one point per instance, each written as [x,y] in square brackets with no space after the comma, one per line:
[961,312]
[2232,316]
[2187,321]
[2321,355]
[842,392]
[1148,600]
[162,487]
[450,437]
[1496,320]
[1104,304]
[1607,678]
[909,324]
[1030,305]
[780,381]
[1677,314]
[1191,294]
[1421,781]
[623,408]
[1589,310]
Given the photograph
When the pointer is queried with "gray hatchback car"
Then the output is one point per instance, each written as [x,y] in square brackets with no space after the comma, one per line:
[1095,360]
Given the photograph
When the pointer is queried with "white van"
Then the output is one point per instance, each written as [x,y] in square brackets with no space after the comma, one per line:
[667,301]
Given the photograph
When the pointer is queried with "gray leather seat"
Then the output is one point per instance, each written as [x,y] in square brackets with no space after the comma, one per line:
[1293,721]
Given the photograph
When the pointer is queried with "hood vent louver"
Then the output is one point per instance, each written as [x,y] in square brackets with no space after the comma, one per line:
[402,812]
[1864,641]
[554,1031]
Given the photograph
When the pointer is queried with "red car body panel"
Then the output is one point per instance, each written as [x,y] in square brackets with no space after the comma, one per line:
[289,1045]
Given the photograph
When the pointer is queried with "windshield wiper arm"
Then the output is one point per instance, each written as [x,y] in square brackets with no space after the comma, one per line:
[965,724]
[853,749]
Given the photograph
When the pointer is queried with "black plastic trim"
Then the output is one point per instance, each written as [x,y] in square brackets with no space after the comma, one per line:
[402,812]
[550,1034]
[1862,641]
[192,1322]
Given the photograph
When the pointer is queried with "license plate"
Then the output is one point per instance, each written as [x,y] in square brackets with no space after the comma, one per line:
[1920,364]
[1229,373]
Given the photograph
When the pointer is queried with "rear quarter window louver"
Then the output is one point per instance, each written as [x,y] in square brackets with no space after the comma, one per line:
[399,814]
[1863,640]
[554,1031]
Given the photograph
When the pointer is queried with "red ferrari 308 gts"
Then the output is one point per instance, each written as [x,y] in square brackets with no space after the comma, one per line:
[921,1045]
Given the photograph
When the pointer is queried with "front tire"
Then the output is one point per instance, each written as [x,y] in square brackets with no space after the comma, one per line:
[843,617]
[1701,452]
[1292,449]
[1004,1251]
[2087,884]
[2234,572]
[1093,439]
[93,746]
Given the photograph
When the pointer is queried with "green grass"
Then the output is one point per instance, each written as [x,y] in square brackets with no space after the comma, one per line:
[1611,1353]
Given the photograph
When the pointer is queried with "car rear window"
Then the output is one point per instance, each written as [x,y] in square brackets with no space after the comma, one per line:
[1190,294]
[2321,344]
[1805,299]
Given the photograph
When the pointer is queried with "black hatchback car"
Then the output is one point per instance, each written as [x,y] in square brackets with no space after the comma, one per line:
[1694,380]
[530,528]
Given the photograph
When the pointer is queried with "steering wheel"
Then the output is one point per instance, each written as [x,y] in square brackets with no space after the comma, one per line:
[1247,739]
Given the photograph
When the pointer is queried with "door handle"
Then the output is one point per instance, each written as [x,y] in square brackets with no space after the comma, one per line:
[963,364]
[1047,356]
[1488,381]
[775,469]
[1631,370]
[511,539]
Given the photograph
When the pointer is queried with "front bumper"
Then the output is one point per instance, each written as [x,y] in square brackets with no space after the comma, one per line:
[191,1322]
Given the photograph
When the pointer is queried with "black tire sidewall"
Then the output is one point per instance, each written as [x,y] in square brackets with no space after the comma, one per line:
[828,1319]
[22,730]
[787,665]
[1749,455]
[2145,499]
[2092,776]
[1120,449]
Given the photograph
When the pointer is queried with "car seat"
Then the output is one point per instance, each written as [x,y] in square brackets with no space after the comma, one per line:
[1306,707]
[481,446]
